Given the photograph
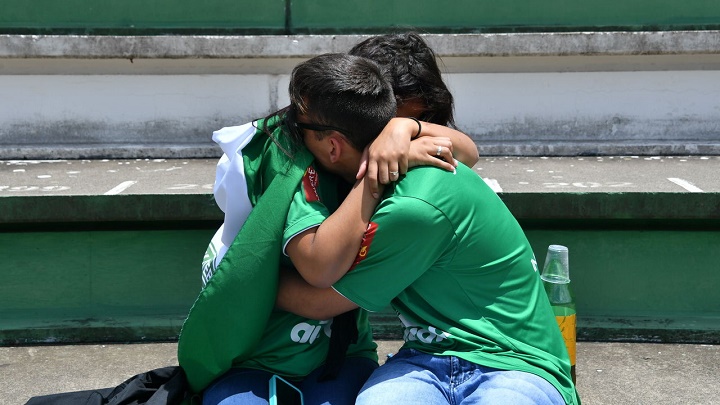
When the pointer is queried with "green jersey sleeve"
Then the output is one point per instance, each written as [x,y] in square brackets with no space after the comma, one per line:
[406,238]
[315,196]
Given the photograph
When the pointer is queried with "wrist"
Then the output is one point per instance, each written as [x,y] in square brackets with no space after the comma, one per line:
[419,128]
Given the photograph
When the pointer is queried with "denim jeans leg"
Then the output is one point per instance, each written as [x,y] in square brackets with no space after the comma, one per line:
[407,378]
[251,387]
[414,377]
[343,389]
[239,386]
[488,386]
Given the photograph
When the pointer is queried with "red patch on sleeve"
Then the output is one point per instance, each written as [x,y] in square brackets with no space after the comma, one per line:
[310,184]
[365,245]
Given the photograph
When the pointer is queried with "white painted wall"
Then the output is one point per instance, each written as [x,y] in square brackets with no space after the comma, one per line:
[589,106]
[603,103]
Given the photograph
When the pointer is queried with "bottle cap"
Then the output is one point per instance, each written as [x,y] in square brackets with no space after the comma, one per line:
[556,269]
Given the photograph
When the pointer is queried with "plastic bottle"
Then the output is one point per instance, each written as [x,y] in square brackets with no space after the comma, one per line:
[556,279]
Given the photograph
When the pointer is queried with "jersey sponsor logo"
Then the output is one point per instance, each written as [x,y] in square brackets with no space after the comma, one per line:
[419,333]
[425,335]
[365,245]
[310,184]
[307,333]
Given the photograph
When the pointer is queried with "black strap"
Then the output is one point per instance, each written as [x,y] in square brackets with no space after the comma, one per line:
[344,332]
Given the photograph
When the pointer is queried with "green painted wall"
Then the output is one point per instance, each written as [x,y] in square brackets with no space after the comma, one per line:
[93,274]
[644,266]
[511,15]
[116,284]
[88,16]
[661,273]
[323,16]
[98,285]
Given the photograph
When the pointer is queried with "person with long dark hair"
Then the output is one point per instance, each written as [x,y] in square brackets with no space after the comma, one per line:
[262,151]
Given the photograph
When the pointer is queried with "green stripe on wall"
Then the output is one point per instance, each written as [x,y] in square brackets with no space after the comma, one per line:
[84,15]
[321,16]
[486,15]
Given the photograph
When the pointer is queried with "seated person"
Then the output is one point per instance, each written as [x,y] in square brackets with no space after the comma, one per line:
[450,258]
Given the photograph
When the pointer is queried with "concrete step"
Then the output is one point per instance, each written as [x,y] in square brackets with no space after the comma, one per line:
[70,228]
[506,174]
[619,187]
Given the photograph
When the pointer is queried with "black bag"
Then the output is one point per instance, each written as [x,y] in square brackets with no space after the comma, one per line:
[162,386]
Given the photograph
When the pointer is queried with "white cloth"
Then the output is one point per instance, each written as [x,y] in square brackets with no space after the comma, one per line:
[230,191]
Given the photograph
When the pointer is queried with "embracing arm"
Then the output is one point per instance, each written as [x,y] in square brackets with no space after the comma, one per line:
[464,148]
[297,296]
[393,150]
[323,254]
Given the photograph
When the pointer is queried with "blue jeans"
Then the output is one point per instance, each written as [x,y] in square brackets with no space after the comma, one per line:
[250,387]
[413,377]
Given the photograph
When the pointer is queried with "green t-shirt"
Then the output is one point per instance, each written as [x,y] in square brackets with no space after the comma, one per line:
[450,258]
[293,346]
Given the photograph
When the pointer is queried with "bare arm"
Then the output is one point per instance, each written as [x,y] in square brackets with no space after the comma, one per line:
[297,296]
[322,255]
[464,148]
[392,151]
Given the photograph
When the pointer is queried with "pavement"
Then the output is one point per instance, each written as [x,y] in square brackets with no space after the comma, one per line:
[607,373]
[657,174]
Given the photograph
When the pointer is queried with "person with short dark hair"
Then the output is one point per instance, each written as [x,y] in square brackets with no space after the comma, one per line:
[450,258]
[349,94]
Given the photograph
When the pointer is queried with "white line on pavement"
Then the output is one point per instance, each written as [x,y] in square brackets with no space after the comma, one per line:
[686,185]
[120,187]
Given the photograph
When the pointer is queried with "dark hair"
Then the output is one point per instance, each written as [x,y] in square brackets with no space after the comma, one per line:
[343,91]
[414,72]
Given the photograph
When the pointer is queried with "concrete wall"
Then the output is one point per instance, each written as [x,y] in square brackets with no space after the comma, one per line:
[516,94]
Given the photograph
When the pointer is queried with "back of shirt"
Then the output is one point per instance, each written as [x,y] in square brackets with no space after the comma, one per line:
[458,269]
